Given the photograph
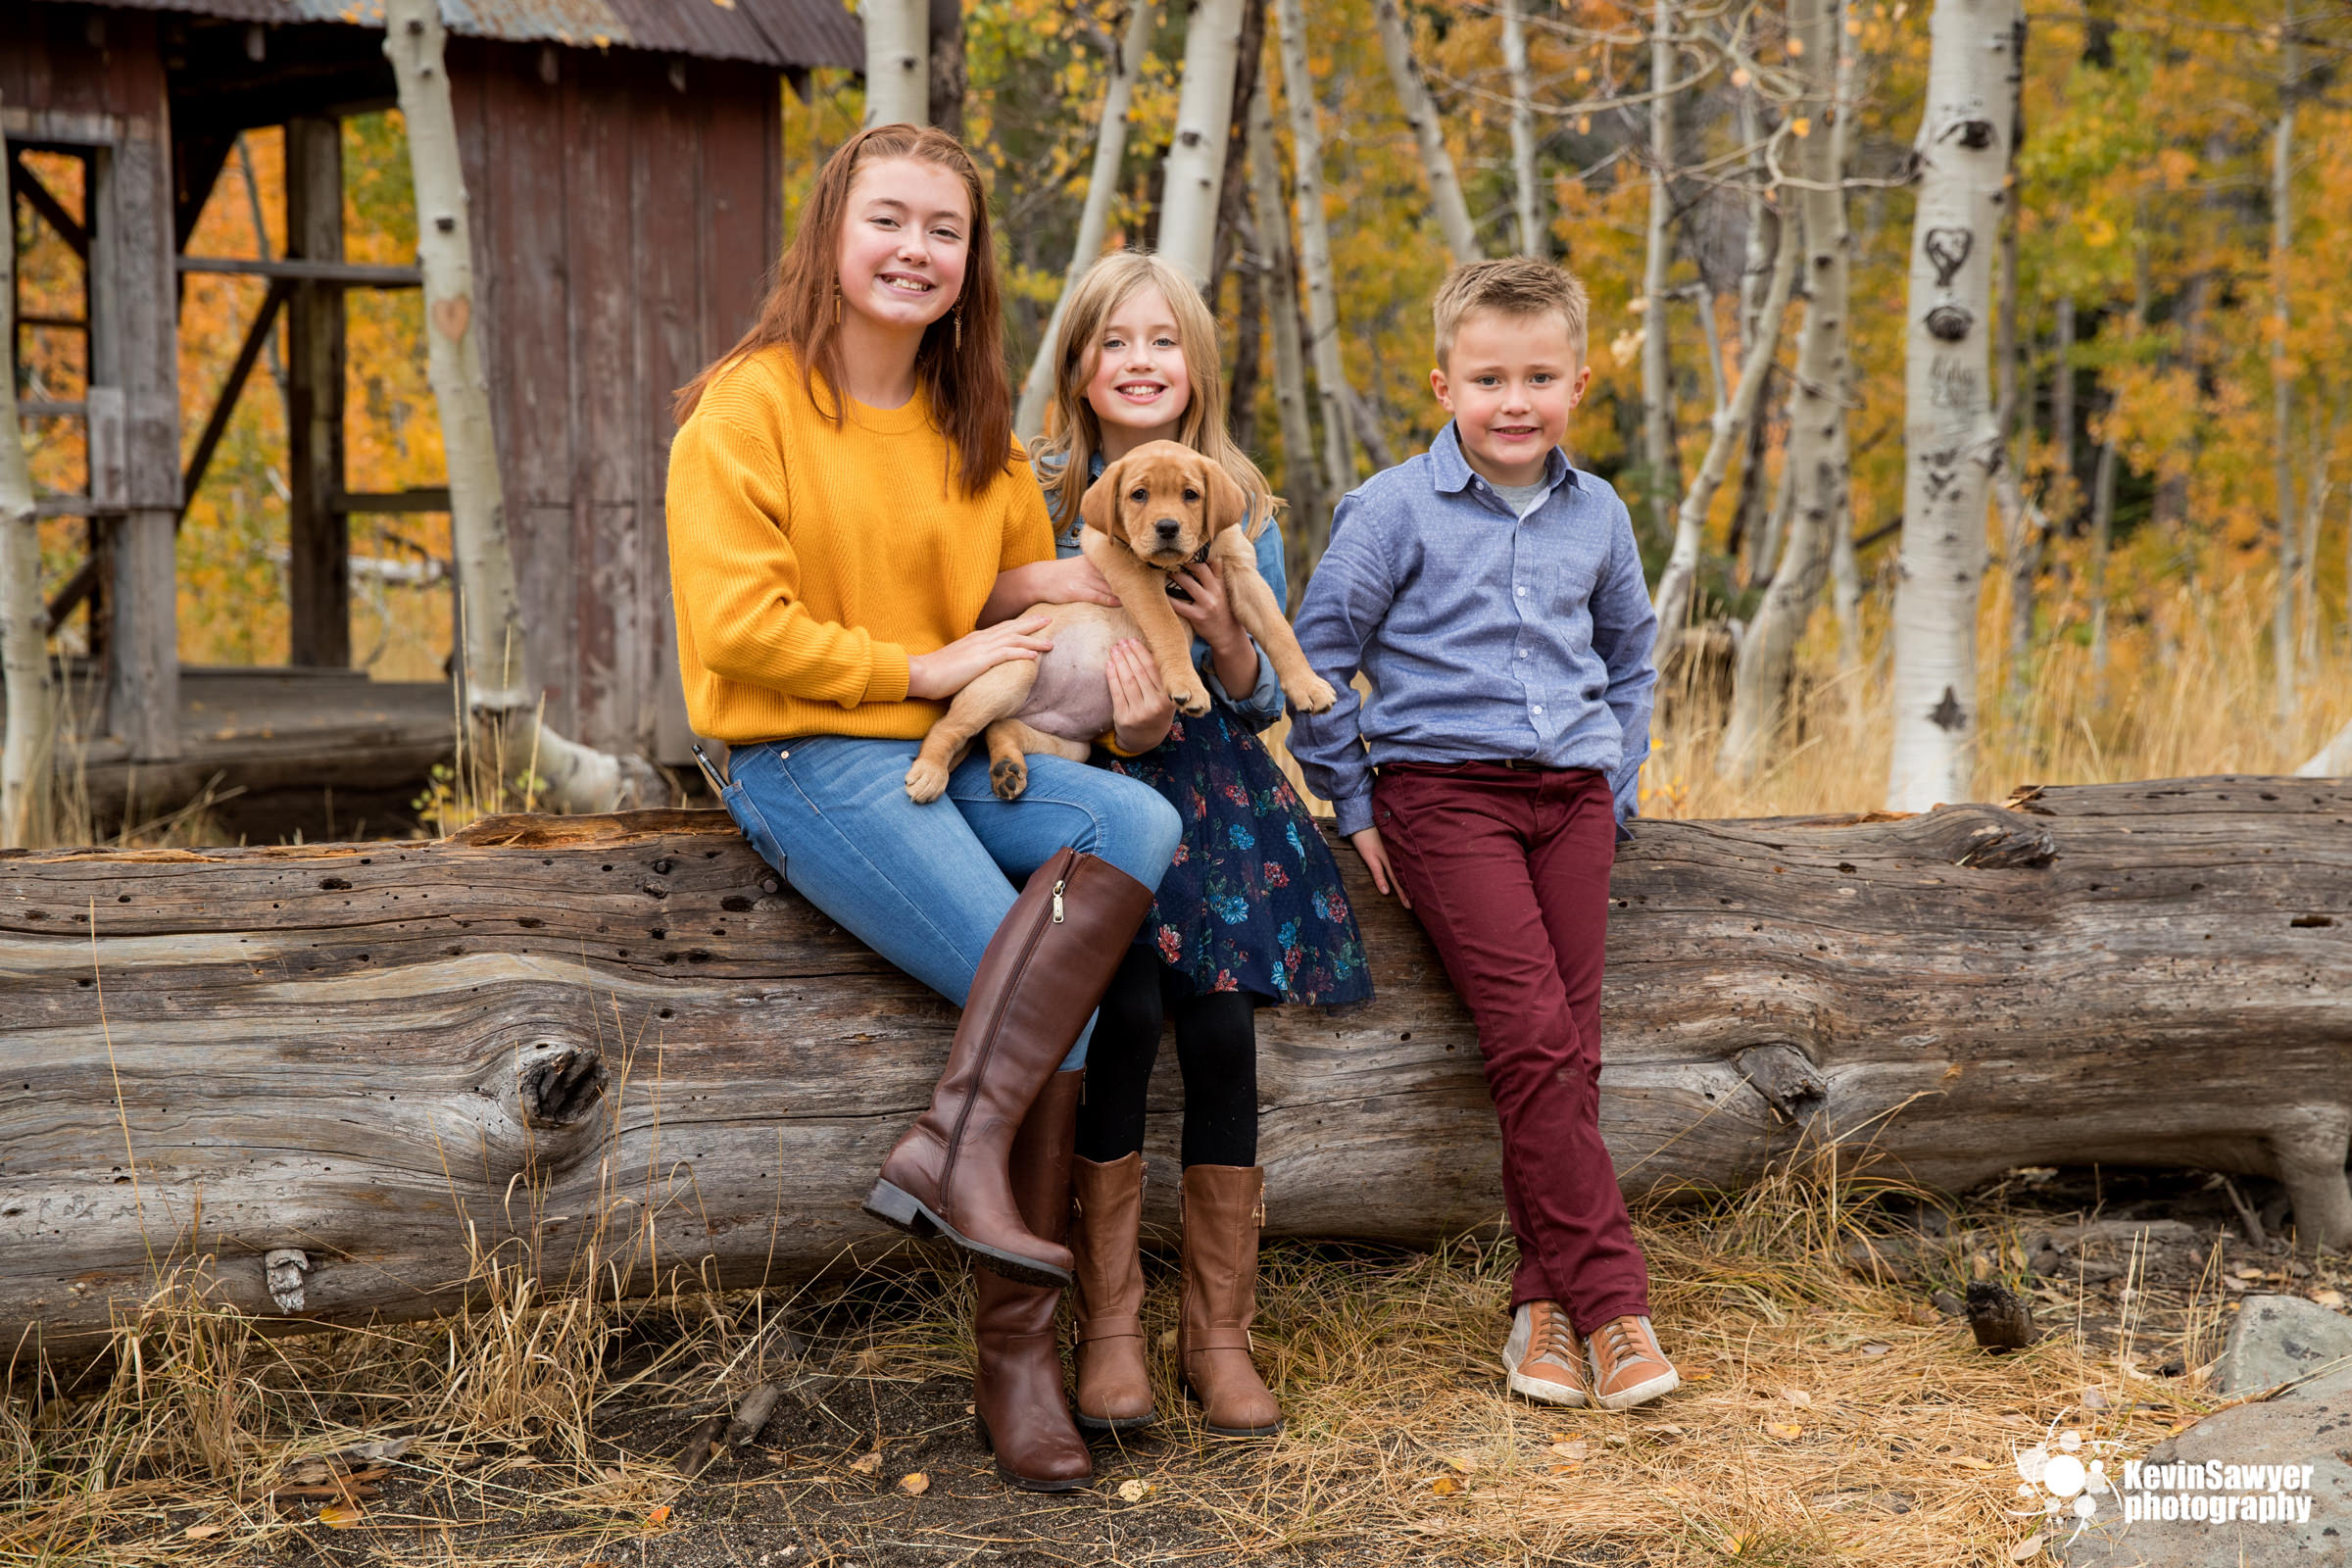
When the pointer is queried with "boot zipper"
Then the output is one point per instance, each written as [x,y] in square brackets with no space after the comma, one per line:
[1058,885]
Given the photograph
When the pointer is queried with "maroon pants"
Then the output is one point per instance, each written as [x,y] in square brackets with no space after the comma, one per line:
[1508,872]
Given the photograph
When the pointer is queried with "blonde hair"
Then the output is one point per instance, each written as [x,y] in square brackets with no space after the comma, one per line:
[1517,286]
[1073,431]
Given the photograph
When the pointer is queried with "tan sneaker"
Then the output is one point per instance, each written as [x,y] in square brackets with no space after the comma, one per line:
[1628,1367]
[1542,1357]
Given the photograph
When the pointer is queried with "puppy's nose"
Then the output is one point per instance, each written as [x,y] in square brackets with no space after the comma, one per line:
[1167,528]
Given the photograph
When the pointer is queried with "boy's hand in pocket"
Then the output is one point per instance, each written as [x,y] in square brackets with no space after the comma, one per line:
[1140,708]
[1376,861]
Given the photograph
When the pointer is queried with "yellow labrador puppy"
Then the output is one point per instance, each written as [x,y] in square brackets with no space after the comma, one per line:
[1157,510]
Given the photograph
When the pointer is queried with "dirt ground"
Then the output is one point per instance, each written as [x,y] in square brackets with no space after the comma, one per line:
[1836,1409]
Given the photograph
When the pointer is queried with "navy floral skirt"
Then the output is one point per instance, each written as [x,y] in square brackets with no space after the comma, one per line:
[1253,901]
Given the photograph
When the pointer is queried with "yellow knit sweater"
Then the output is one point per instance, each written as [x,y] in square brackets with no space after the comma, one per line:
[808,561]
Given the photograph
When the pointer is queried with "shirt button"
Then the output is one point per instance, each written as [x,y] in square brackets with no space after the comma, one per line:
[1538,708]
[1520,591]
[1522,653]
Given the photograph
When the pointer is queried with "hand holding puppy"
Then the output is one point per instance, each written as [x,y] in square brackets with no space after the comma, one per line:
[1140,708]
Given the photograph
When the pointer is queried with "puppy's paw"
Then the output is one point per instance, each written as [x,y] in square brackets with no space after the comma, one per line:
[926,781]
[1190,698]
[1009,776]
[1312,695]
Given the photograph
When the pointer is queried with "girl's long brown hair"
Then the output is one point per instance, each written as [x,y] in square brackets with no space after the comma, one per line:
[1074,432]
[969,398]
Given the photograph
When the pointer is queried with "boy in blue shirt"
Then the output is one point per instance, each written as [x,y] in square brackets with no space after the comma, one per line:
[1494,598]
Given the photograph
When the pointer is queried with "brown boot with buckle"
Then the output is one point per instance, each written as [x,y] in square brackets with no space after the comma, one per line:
[1044,971]
[1223,1208]
[1542,1359]
[1115,1388]
[1628,1367]
[1017,1403]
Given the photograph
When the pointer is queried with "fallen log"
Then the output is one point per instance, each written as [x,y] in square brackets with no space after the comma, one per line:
[348,1075]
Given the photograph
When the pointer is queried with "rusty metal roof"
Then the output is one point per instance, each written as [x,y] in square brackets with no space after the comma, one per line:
[775,32]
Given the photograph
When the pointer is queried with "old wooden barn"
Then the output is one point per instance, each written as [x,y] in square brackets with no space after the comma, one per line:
[624,164]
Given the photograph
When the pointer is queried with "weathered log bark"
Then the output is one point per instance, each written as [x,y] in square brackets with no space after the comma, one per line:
[615,1042]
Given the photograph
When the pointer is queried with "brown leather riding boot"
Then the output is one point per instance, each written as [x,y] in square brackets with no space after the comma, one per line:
[1115,1390]
[1017,1402]
[1223,1208]
[1044,971]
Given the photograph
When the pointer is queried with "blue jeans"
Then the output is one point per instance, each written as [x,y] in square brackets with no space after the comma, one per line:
[927,886]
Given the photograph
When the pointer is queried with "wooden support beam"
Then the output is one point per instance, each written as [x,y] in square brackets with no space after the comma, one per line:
[134,447]
[318,543]
[37,196]
[422,498]
[216,424]
[303,270]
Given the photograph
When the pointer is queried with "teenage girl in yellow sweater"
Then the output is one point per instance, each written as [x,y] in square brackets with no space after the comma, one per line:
[853,534]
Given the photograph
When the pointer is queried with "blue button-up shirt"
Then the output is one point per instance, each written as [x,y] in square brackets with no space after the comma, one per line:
[1486,636]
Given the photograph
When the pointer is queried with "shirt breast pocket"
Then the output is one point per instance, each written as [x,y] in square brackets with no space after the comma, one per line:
[1572,585]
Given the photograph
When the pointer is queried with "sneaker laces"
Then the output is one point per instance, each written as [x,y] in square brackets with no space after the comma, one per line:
[1621,1340]
[1552,1338]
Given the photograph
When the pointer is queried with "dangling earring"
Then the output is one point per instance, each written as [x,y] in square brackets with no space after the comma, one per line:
[958,318]
[836,304]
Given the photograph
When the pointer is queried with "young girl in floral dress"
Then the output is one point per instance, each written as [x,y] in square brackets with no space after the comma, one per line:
[1250,914]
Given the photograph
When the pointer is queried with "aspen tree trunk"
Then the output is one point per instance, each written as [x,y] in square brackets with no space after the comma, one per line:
[1952,446]
[949,75]
[2021,535]
[1094,220]
[1732,422]
[1763,247]
[898,61]
[1314,252]
[2102,537]
[501,701]
[1817,470]
[1304,529]
[1846,571]
[2282,385]
[1421,112]
[1527,197]
[1658,365]
[24,618]
[1196,167]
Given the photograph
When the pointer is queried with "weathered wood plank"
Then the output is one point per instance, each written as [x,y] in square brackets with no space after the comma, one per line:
[617,1037]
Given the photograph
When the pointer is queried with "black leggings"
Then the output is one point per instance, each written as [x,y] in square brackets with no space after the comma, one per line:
[1216,1047]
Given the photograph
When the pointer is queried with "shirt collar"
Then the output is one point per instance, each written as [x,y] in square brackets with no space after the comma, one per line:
[1453,471]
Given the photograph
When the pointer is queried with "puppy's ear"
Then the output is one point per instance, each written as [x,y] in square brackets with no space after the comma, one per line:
[1099,509]
[1228,503]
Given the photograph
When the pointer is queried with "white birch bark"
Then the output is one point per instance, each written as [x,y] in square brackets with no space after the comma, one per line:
[1421,112]
[898,61]
[1952,445]
[1527,197]
[1816,464]
[2282,383]
[1315,251]
[1302,480]
[1733,420]
[24,618]
[1658,455]
[1094,220]
[501,701]
[1196,167]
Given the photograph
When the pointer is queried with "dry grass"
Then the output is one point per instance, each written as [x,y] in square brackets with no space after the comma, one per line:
[2187,689]
[1827,1417]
